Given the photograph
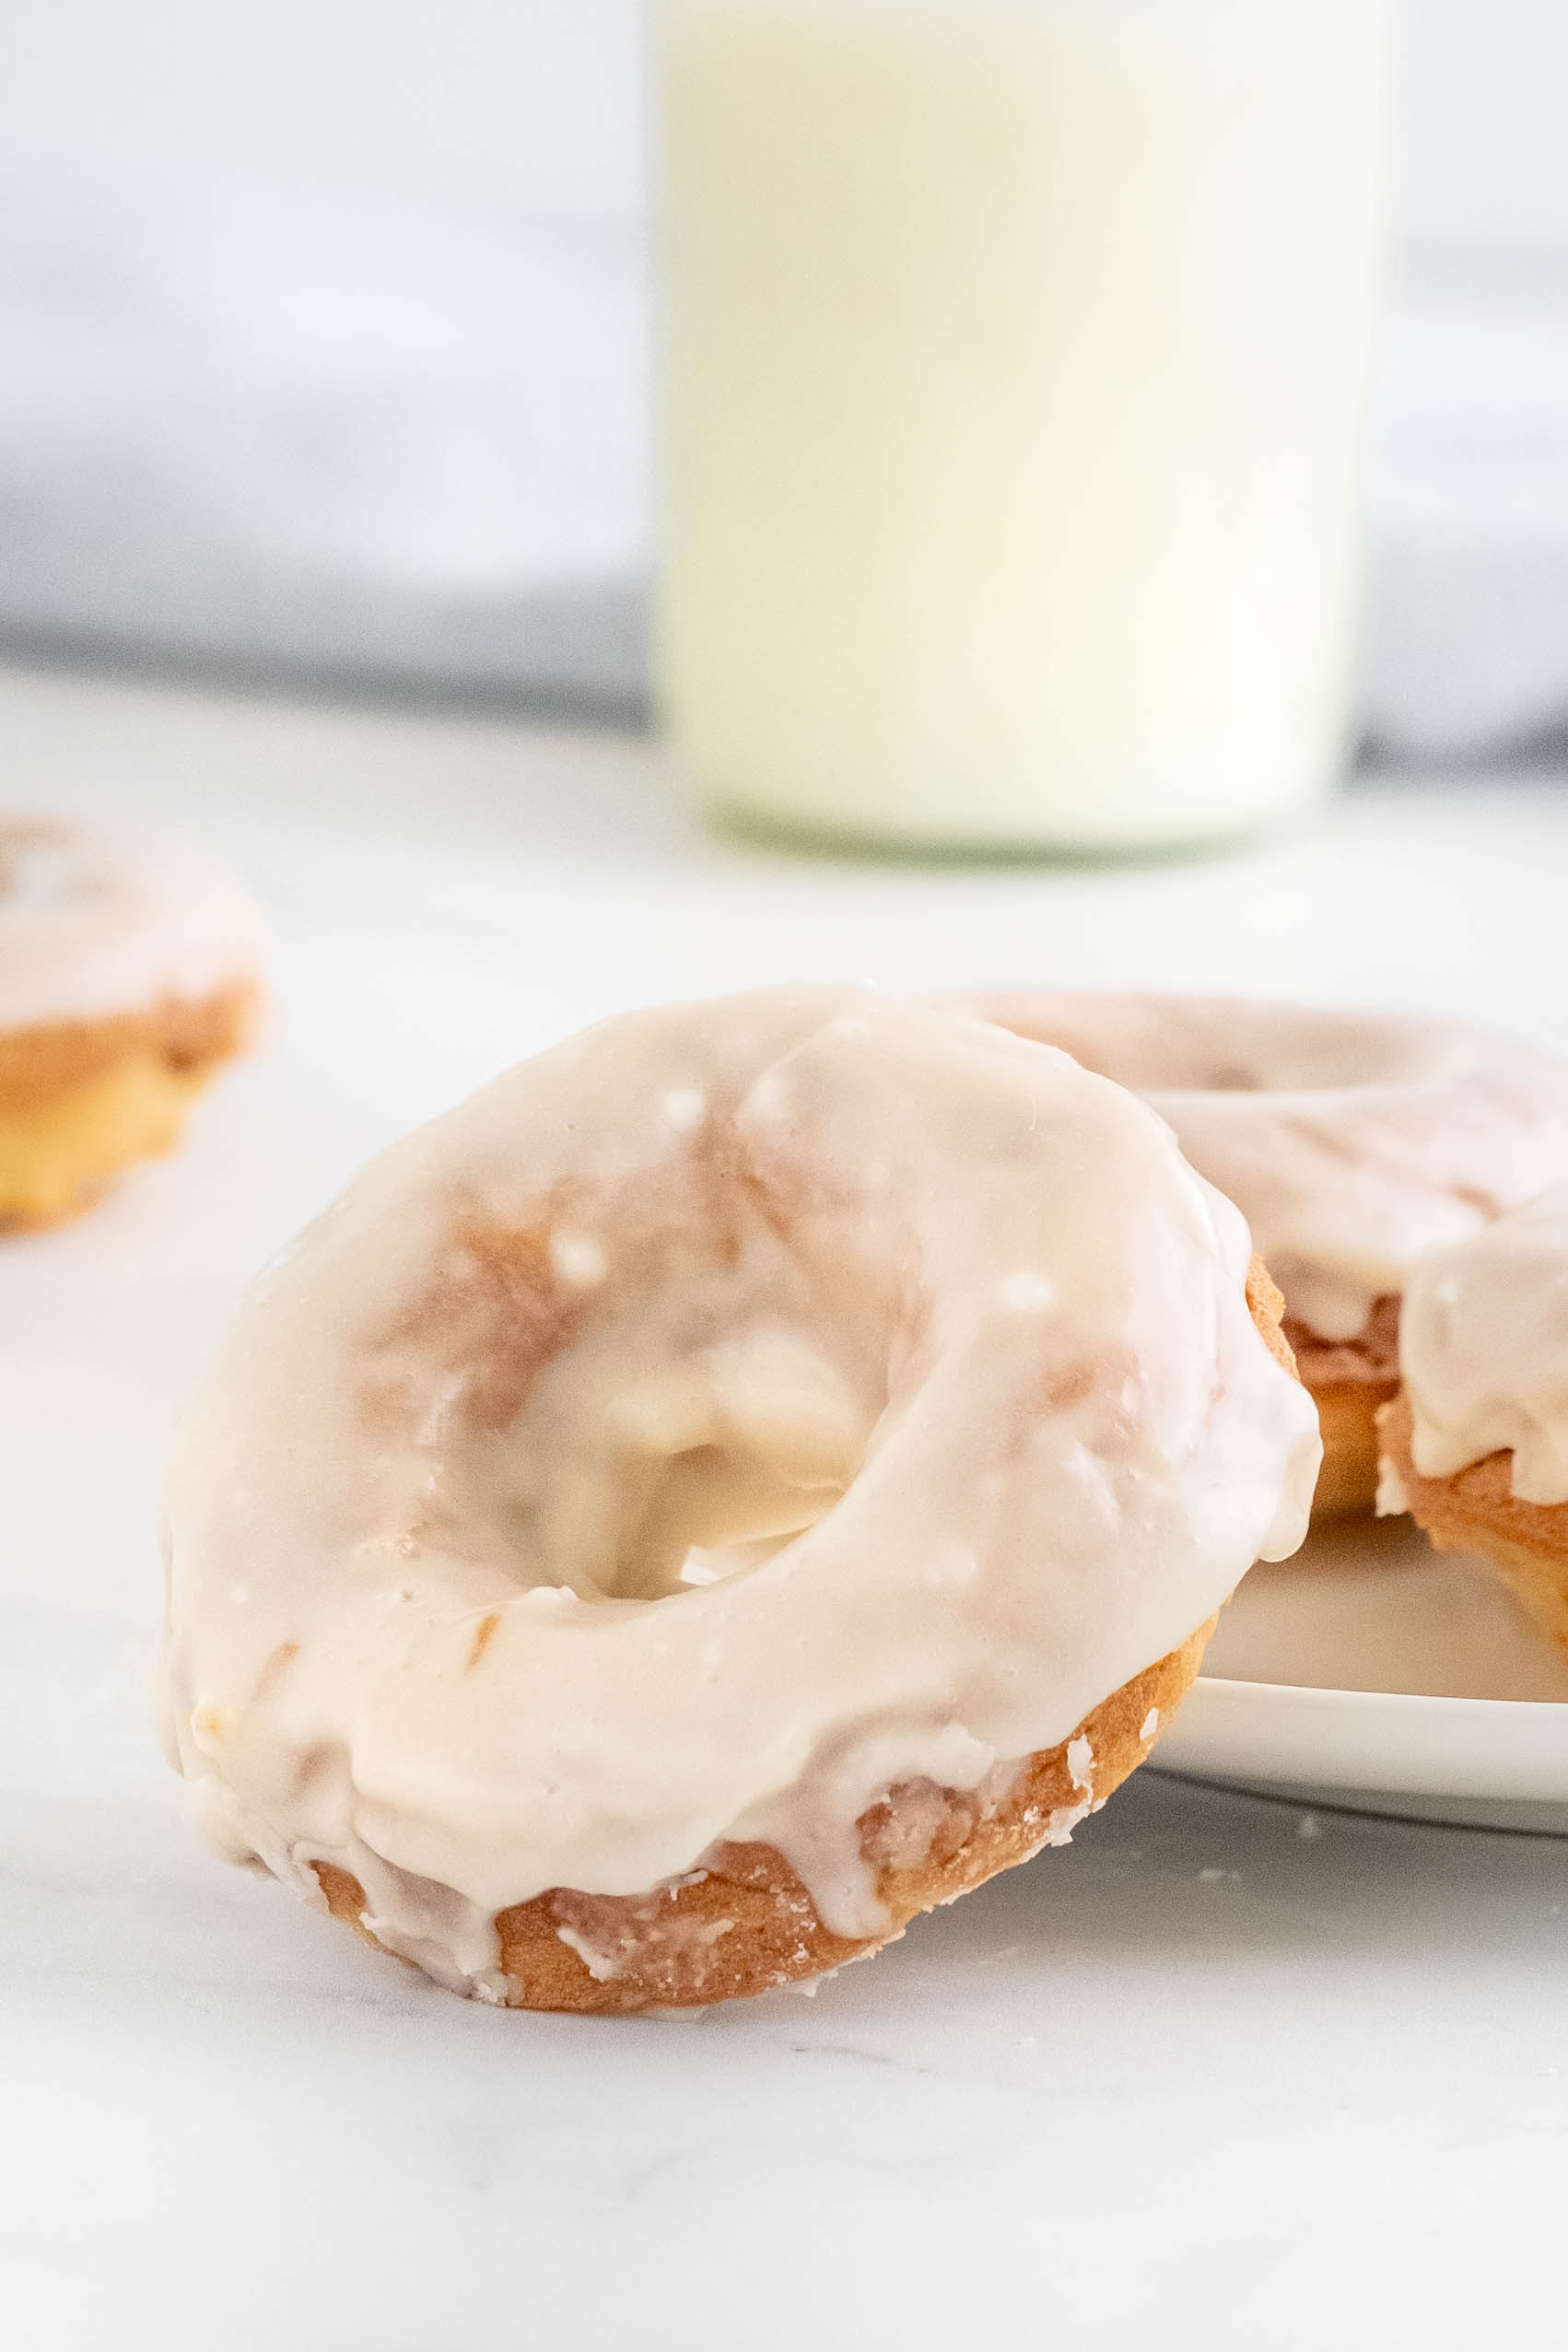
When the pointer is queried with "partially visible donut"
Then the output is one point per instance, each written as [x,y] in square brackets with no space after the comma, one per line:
[1476,1446]
[1351,1142]
[747,1475]
[129,970]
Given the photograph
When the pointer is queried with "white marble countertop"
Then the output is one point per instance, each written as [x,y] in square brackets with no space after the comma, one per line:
[1219,2075]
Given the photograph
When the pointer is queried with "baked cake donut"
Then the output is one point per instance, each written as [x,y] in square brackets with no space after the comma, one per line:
[128,971]
[1351,1142]
[1476,1445]
[744,1477]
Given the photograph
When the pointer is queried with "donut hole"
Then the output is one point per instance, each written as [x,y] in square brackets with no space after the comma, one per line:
[727,1457]
[714,1512]
[676,1421]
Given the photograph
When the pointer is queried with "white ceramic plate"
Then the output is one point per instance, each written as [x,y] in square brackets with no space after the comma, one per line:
[1368,1672]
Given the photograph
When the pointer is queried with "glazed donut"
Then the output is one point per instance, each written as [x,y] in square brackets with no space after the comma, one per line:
[1476,1445]
[128,972]
[745,1476]
[1351,1143]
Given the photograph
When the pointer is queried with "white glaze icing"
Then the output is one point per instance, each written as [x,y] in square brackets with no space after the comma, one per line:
[94,922]
[1351,1142]
[1483,1352]
[429,1521]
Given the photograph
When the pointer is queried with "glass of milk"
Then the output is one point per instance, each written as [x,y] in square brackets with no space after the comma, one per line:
[1013,363]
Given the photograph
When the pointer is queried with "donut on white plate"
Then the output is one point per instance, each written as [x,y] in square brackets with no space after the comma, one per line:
[1352,1144]
[1476,1445]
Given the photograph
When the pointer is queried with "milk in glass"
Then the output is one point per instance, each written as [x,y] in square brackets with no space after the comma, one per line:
[1013,362]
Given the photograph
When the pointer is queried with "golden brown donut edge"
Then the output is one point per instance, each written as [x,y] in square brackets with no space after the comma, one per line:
[743,1923]
[1349,1381]
[1477,1511]
[82,1100]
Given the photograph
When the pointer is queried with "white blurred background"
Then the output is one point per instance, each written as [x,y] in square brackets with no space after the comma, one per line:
[325,353]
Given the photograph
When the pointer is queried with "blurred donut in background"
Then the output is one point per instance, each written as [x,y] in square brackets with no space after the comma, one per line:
[130,969]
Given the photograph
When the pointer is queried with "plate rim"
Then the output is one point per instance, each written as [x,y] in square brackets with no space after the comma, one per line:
[1307,1733]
